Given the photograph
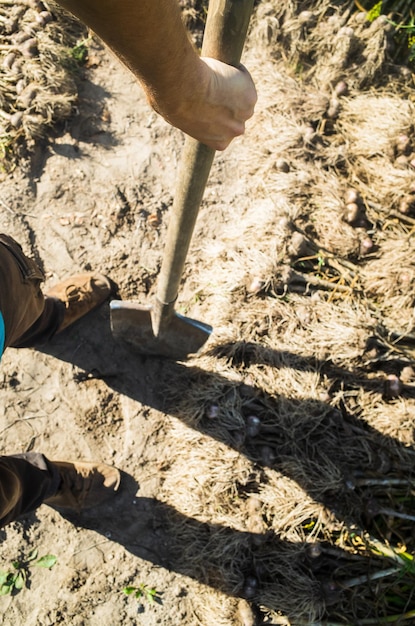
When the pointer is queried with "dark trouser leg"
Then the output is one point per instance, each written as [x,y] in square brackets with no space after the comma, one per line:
[26,480]
[29,317]
[44,327]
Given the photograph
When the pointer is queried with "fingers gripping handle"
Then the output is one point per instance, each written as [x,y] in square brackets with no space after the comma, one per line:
[224,37]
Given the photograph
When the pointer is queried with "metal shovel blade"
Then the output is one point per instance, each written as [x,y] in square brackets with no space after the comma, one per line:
[178,337]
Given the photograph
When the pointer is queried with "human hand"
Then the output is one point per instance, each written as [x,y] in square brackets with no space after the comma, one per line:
[205,98]
[215,102]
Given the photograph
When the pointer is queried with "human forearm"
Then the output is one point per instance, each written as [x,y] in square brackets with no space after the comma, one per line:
[148,36]
[206,99]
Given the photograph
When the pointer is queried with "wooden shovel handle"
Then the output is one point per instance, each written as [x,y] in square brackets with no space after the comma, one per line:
[226,27]
[224,37]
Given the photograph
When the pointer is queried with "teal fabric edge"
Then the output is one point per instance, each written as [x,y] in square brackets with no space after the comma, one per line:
[1,334]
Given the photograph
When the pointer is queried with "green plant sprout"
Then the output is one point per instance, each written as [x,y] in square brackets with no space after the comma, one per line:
[321,261]
[76,57]
[79,52]
[405,28]
[375,11]
[14,580]
[142,592]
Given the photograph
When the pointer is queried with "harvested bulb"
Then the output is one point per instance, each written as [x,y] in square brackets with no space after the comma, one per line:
[267,456]
[245,614]
[253,425]
[351,196]
[352,213]
[29,47]
[256,285]
[212,412]
[282,166]
[366,246]
[341,89]
[406,204]
[334,109]
[307,18]
[314,551]
[407,374]
[401,161]
[9,60]
[403,144]
[16,119]
[393,386]
[44,17]
[250,587]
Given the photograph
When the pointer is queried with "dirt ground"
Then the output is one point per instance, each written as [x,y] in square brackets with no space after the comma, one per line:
[250,469]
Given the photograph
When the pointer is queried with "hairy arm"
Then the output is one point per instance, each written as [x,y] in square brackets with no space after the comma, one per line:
[206,99]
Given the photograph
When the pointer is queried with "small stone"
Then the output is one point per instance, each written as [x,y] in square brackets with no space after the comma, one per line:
[154,220]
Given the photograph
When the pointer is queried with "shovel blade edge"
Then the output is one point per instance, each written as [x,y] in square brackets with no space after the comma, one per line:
[179,338]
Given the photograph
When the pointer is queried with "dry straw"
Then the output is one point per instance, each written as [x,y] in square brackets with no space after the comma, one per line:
[296,406]
[296,417]
[37,86]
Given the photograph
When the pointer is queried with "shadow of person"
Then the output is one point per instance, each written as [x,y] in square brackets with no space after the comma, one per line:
[321,447]
[244,353]
[254,566]
[324,449]
[85,127]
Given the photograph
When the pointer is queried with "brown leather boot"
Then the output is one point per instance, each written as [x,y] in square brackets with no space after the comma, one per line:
[80,294]
[84,485]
